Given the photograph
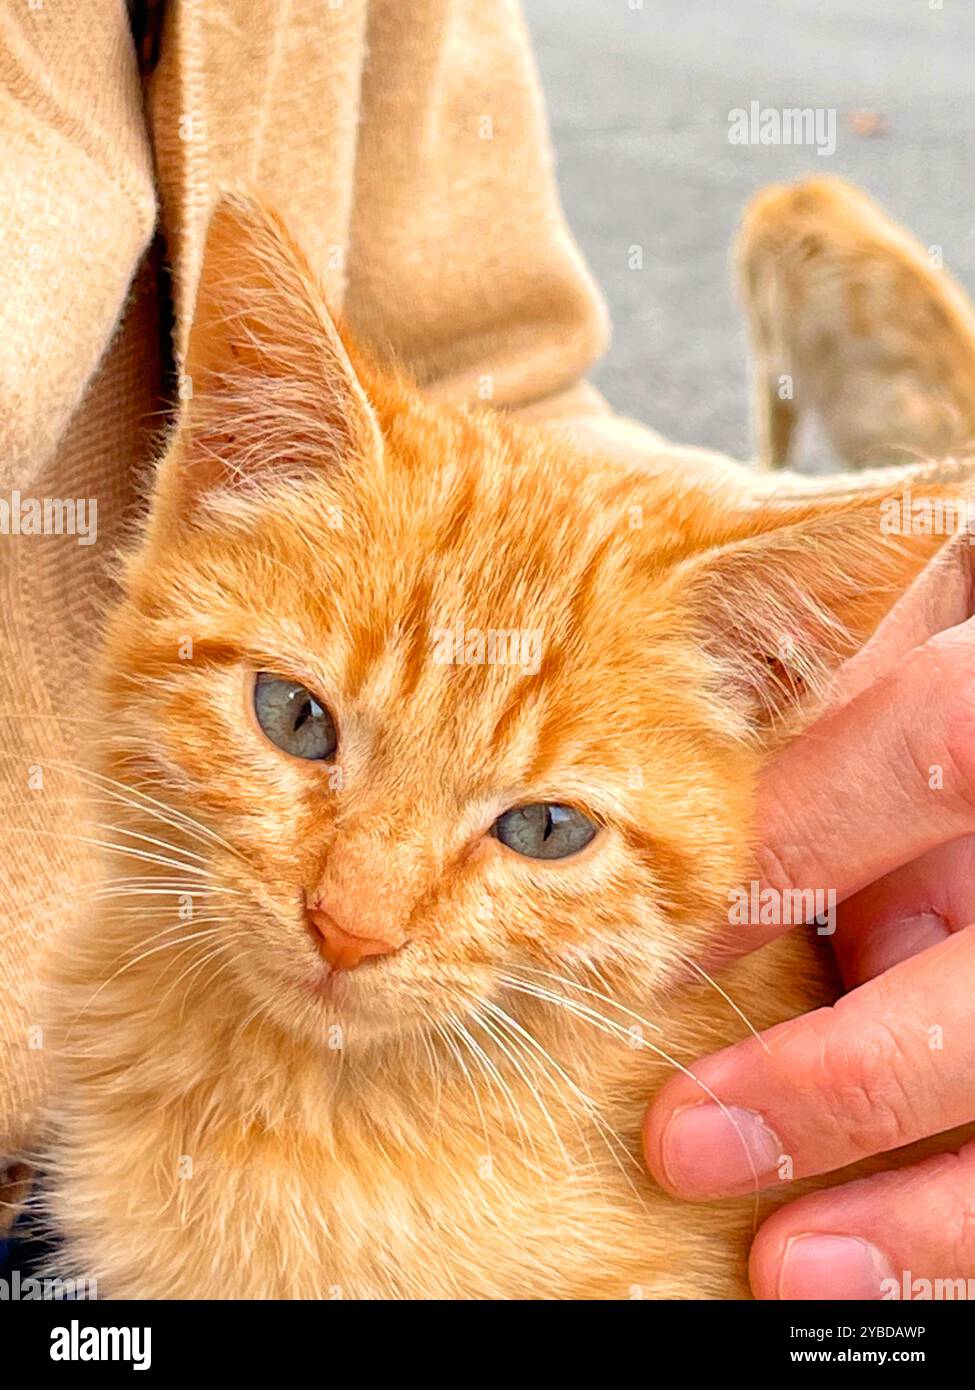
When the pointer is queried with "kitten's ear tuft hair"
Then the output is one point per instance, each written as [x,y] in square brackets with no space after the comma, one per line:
[799,586]
[268,387]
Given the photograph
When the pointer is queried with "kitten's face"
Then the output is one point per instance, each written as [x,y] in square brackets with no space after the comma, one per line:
[311,550]
[352,588]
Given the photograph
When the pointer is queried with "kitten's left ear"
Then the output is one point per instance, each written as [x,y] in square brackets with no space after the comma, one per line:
[787,589]
[269,387]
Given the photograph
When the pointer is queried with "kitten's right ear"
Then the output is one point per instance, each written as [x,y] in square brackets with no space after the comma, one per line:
[267,384]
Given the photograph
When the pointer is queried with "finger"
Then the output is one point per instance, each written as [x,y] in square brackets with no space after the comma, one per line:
[870,786]
[942,596]
[887,1065]
[904,1234]
[913,908]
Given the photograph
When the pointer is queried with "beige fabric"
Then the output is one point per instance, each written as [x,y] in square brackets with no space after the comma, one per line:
[405,144]
[77,210]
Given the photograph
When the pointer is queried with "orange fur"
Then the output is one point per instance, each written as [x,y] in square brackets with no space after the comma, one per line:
[435,1126]
[851,319]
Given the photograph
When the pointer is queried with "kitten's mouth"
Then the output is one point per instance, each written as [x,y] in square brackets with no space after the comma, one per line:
[354,999]
[333,983]
[323,984]
[326,986]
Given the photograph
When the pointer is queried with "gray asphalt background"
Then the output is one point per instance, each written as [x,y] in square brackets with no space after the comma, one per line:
[638,101]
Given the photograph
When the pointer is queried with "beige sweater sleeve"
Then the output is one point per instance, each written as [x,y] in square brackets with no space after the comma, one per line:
[406,146]
[76,211]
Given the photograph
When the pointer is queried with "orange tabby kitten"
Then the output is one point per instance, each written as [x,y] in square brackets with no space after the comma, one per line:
[849,319]
[436,745]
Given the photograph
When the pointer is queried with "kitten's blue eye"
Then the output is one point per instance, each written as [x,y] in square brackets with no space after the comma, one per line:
[544,830]
[292,718]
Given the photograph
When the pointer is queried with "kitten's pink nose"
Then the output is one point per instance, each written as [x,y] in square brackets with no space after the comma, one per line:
[342,949]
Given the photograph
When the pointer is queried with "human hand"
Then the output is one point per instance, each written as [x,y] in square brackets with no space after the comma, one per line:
[876,800]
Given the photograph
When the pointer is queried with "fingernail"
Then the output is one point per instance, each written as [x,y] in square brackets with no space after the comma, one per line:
[838,1267]
[707,1150]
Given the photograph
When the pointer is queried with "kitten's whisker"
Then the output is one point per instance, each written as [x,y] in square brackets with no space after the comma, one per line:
[584,1012]
[129,965]
[517,1114]
[177,820]
[137,946]
[123,792]
[617,1030]
[525,1039]
[103,888]
[195,968]
[492,1033]
[114,849]
[436,1071]
[188,945]
[148,839]
[131,902]
[595,993]
[149,889]
[441,1028]
[699,970]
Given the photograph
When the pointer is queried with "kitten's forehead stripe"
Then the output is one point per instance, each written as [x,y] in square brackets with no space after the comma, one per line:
[498,715]
[458,520]
[415,641]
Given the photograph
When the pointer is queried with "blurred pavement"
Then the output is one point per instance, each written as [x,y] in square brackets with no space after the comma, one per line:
[639,98]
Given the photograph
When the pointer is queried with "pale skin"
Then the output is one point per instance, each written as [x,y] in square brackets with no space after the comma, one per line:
[876,800]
